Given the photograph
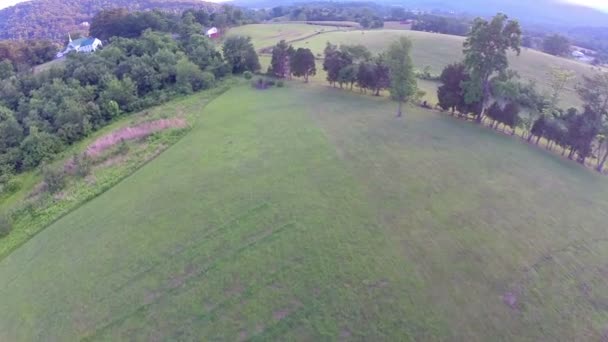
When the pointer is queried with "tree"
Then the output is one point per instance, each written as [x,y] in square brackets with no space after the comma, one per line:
[303,64]
[559,79]
[556,45]
[485,51]
[188,76]
[348,75]
[382,78]
[240,54]
[281,56]
[335,60]
[451,94]
[6,69]
[594,93]
[403,81]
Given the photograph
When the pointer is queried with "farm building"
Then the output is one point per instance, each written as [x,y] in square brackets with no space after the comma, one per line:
[212,33]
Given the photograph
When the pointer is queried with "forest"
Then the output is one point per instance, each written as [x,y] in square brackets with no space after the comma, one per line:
[43,113]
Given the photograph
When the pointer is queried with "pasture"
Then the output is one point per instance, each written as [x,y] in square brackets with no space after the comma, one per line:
[310,213]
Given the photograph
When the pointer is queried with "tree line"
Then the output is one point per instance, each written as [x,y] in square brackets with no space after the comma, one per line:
[43,113]
[484,87]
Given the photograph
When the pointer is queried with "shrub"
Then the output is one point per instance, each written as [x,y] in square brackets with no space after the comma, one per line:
[271,83]
[5,226]
[280,84]
[248,75]
[82,164]
[12,186]
[54,178]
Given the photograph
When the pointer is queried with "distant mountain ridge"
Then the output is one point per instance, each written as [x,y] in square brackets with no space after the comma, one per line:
[53,19]
[547,12]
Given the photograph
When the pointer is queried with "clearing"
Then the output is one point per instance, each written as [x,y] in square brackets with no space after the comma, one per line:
[311,213]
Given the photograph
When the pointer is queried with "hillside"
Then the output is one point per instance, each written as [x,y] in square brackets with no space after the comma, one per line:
[53,19]
[307,213]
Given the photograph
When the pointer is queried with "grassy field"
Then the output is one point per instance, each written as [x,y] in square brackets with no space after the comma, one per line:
[266,35]
[309,213]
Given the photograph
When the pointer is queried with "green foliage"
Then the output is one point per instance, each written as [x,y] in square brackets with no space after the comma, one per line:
[485,51]
[280,84]
[556,45]
[303,64]
[54,178]
[7,69]
[280,62]
[403,81]
[451,93]
[38,147]
[6,226]
[240,54]
[189,76]
[248,75]
[82,164]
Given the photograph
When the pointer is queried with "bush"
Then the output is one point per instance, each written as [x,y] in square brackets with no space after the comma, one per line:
[271,83]
[5,226]
[82,164]
[54,178]
[280,84]
[248,75]
[12,186]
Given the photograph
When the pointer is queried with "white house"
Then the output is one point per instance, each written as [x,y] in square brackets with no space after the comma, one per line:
[84,45]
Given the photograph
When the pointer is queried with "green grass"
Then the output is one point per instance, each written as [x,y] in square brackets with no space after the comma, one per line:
[308,213]
[266,35]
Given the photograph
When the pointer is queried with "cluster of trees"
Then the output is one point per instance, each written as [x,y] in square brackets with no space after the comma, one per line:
[287,62]
[24,54]
[368,15]
[393,69]
[120,22]
[350,65]
[41,114]
[52,19]
[442,24]
[483,86]
[556,45]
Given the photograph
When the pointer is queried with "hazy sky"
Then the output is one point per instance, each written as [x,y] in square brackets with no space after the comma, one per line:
[599,4]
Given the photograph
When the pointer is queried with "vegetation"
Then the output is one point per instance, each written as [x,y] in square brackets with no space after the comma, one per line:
[303,64]
[485,53]
[53,19]
[441,24]
[403,83]
[42,114]
[556,45]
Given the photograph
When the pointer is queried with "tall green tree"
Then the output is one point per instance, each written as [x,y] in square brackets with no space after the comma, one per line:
[594,93]
[280,62]
[485,51]
[303,64]
[451,93]
[240,54]
[403,81]
[556,45]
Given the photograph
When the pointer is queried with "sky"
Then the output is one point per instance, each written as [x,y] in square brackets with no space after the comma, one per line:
[599,4]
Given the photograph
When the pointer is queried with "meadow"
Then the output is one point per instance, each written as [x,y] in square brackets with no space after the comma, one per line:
[310,213]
